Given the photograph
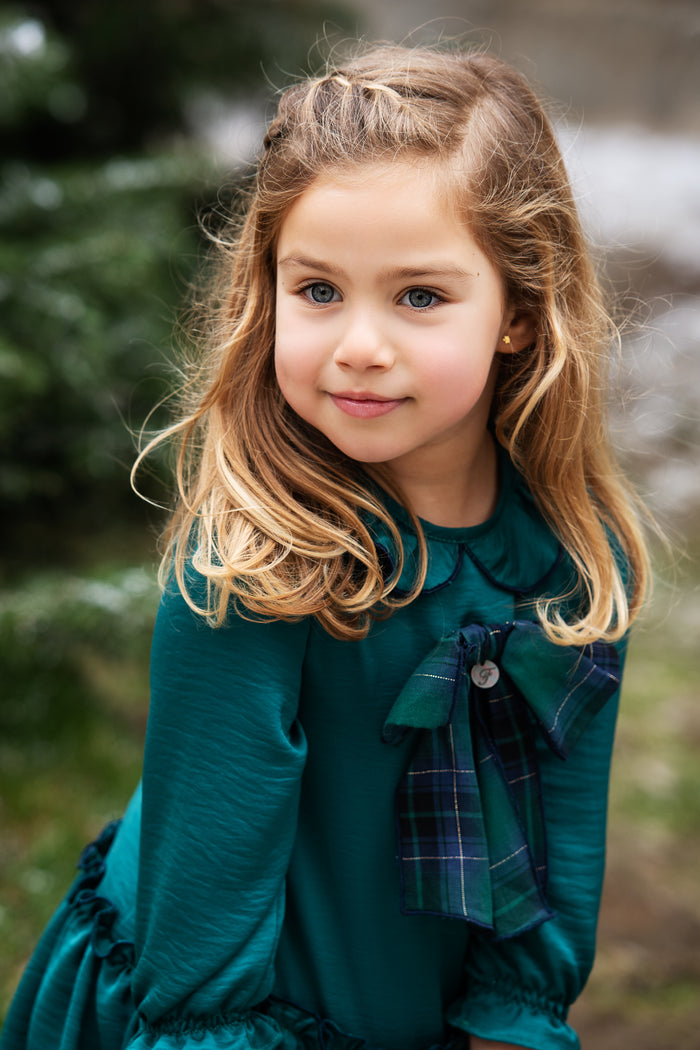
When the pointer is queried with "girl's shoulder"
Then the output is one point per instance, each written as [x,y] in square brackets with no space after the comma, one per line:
[183,617]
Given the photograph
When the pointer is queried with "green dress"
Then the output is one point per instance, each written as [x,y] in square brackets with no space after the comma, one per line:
[250,897]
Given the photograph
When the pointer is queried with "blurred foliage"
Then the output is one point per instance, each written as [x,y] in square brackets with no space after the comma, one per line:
[80,78]
[49,626]
[98,234]
[644,988]
[74,653]
[89,257]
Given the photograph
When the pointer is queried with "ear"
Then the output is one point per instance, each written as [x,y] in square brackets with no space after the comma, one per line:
[520,331]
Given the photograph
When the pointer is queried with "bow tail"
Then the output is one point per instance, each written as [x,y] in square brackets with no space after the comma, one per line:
[511,797]
[443,845]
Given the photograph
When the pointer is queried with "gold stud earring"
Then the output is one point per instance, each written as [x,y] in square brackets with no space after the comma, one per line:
[506,340]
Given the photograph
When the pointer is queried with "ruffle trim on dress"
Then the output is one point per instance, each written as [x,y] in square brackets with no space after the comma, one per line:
[86,902]
[77,991]
[273,1023]
[252,1030]
[495,1010]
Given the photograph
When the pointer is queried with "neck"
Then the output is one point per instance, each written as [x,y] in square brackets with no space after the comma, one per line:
[457,496]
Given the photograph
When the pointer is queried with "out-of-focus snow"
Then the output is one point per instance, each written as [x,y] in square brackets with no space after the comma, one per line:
[638,188]
[639,197]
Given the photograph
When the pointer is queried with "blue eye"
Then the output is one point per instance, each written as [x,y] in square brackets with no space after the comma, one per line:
[320,293]
[420,298]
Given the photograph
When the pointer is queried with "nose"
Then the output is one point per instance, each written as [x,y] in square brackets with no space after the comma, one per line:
[363,344]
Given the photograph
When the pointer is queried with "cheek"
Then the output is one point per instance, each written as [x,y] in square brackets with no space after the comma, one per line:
[299,349]
[293,368]
[458,377]
[282,367]
[284,349]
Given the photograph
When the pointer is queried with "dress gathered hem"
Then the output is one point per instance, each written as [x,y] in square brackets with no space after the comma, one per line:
[76,992]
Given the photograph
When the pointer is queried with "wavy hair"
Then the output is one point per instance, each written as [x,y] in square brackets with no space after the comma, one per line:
[273,515]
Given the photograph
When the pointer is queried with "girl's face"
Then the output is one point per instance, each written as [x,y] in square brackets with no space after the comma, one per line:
[389,319]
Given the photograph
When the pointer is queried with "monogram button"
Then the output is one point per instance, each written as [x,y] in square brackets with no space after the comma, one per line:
[485,675]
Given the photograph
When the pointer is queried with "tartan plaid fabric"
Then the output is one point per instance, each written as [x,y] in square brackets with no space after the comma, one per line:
[471,826]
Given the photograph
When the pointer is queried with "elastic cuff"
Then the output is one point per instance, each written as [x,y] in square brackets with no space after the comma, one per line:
[513,1015]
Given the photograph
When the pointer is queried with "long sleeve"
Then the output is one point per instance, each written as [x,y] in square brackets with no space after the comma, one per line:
[223,764]
[519,991]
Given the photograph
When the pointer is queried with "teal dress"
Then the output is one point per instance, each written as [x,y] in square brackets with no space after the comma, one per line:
[250,897]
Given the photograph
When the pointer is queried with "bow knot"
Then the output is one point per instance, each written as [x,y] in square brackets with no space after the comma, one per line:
[471,825]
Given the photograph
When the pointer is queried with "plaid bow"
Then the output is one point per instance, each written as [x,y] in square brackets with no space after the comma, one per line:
[470,819]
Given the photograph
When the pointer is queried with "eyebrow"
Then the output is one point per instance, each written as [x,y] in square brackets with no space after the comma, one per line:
[427,270]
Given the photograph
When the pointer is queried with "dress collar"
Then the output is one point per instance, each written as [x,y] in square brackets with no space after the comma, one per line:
[514,549]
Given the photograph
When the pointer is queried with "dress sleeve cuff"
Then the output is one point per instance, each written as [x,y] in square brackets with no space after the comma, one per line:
[244,1031]
[512,1015]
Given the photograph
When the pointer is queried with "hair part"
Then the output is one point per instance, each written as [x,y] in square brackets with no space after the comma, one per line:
[273,515]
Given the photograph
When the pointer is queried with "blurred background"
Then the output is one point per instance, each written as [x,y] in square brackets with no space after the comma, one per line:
[119,124]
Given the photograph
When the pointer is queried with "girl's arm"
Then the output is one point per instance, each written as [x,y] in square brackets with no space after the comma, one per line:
[519,991]
[222,771]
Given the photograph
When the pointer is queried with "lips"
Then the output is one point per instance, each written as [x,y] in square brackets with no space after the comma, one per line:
[362,405]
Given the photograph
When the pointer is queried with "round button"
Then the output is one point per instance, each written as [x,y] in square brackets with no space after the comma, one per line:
[485,675]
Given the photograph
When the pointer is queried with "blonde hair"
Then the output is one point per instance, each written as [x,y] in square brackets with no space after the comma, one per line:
[269,511]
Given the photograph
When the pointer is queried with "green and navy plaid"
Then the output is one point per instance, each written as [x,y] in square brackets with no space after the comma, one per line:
[470,820]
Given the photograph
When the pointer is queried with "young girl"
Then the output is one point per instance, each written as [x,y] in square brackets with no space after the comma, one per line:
[397,586]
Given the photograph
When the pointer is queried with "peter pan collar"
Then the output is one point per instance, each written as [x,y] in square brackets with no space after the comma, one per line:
[514,549]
